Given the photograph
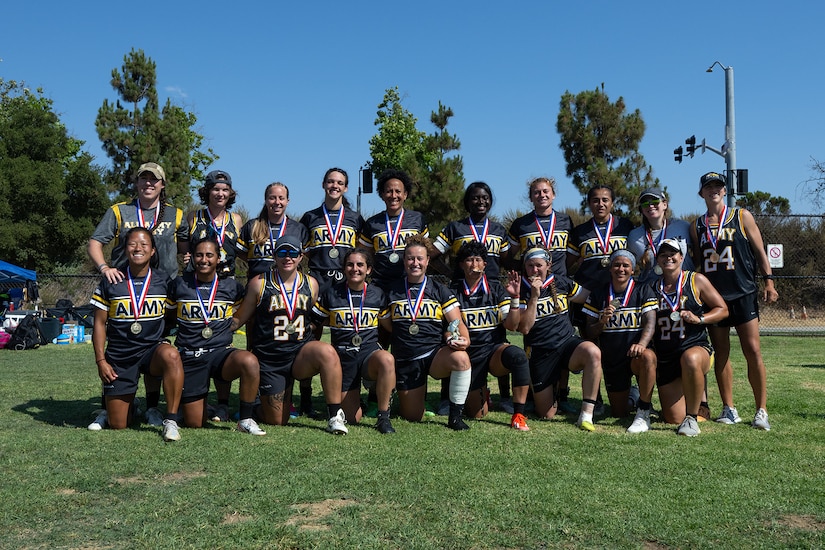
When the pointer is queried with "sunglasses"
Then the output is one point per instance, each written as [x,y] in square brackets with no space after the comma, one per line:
[646,204]
[284,253]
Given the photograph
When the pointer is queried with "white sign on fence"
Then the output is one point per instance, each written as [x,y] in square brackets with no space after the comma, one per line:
[776,255]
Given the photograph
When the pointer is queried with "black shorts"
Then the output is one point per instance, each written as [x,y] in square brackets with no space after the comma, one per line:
[546,364]
[128,375]
[199,366]
[669,366]
[741,310]
[276,372]
[480,360]
[412,373]
[354,365]
[618,375]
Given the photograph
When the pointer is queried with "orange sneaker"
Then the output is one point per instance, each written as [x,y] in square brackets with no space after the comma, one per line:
[519,422]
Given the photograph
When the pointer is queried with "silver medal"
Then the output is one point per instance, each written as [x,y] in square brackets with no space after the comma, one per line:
[206,333]
[675,316]
[333,253]
[413,329]
[616,303]
[356,340]
[394,257]
[714,256]
[290,328]
[605,261]
[657,270]
[135,328]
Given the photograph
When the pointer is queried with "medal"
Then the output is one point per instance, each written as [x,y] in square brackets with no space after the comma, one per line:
[413,329]
[605,261]
[356,317]
[678,300]
[657,270]
[356,340]
[138,301]
[333,253]
[394,257]
[415,306]
[142,222]
[675,316]
[290,300]
[206,333]
[621,302]
[135,328]
[393,235]
[714,256]
[616,303]
[547,236]
[334,232]
[604,240]
[713,238]
[290,328]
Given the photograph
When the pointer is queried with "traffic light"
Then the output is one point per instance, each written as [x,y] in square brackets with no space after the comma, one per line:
[678,154]
[691,145]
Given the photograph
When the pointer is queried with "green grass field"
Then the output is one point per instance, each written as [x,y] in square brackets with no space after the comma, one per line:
[423,487]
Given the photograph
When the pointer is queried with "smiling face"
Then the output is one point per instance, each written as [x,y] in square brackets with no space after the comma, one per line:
[219,196]
[149,188]
[335,185]
[394,194]
[600,203]
[139,249]
[287,260]
[416,261]
[669,260]
[356,269]
[621,269]
[478,203]
[653,209]
[542,196]
[276,201]
[206,258]
[714,192]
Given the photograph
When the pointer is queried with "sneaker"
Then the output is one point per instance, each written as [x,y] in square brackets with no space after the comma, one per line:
[760,420]
[506,405]
[729,416]
[457,423]
[599,409]
[633,398]
[337,424]
[100,421]
[219,413]
[689,427]
[641,423]
[586,425]
[384,425]
[293,412]
[519,422]
[249,426]
[153,417]
[443,407]
[704,413]
[170,431]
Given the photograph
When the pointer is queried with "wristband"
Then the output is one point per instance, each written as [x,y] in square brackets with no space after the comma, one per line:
[702,319]
[100,267]
[768,277]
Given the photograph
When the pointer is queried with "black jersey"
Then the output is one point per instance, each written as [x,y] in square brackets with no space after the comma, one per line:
[624,328]
[552,327]
[531,231]
[341,307]
[376,236]
[493,235]
[483,310]
[225,233]
[123,344]
[677,336]
[734,274]
[259,254]
[191,312]
[320,237]
[277,331]
[429,322]
[585,244]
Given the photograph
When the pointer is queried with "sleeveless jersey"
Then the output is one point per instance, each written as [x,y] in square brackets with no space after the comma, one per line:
[259,256]
[483,312]
[676,336]
[552,327]
[437,301]
[333,307]
[320,242]
[123,345]
[637,243]
[203,228]
[734,275]
[272,335]
[584,244]
[458,232]
[374,236]
[183,298]
[524,235]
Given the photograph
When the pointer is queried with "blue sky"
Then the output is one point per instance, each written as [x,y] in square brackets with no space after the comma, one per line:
[282,91]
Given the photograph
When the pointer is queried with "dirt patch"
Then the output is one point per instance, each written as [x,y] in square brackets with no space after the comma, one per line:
[311,516]
[802,523]
[235,518]
[173,477]
[67,492]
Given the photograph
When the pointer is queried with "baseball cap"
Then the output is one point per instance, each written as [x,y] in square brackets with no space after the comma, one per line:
[711,177]
[288,242]
[679,245]
[654,192]
[218,176]
[154,168]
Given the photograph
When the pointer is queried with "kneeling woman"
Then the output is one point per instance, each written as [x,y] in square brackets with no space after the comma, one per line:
[352,310]
[130,315]
[687,302]
[281,302]
[203,305]
[428,337]
[549,338]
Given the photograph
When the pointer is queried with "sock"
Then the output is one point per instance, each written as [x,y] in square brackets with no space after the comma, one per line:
[152,399]
[306,397]
[445,389]
[171,416]
[246,410]
[518,408]
[333,409]
[384,414]
[586,416]
[459,386]
[223,402]
[455,410]
[372,396]
[693,415]
[643,405]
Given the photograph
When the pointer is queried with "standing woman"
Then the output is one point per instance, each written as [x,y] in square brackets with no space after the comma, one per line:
[549,339]
[423,342]
[644,241]
[687,302]
[281,301]
[257,239]
[352,310]
[386,233]
[130,317]
[543,228]
[731,253]
[203,304]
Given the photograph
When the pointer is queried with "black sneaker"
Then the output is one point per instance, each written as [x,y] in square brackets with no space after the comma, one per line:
[457,423]
[384,425]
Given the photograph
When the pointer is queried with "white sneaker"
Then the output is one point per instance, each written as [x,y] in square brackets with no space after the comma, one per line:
[337,424]
[249,426]
[760,420]
[729,416]
[153,417]
[633,398]
[170,431]
[99,422]
[689,427]
[641,423]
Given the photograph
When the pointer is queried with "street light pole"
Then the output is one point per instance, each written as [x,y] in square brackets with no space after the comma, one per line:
[730,132]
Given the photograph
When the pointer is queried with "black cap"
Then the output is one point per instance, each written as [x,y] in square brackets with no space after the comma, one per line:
[711,177]
[288,242]
[218,176]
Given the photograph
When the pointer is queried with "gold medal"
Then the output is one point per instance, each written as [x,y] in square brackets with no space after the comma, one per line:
[714,256]
[394,257]
[290,328]
[135,328]
[414,329]
[675,316]
[657,270]
[206,333]
[333,253]
[356,340]
[616,303]
[605,261]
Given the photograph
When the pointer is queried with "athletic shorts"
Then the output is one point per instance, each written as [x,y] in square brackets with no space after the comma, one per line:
[199,366]
[618,375]
[669,366]
[741,310]
[480,360]
[546,364]
[412,373]
[354,365]
[276,372]
[128,375]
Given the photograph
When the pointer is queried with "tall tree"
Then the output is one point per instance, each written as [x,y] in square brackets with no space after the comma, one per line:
[134,130]
[761,202]
[51,195]
[600,142]
[398,143]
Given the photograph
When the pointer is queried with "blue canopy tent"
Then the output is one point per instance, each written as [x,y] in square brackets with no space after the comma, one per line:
[14,278]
